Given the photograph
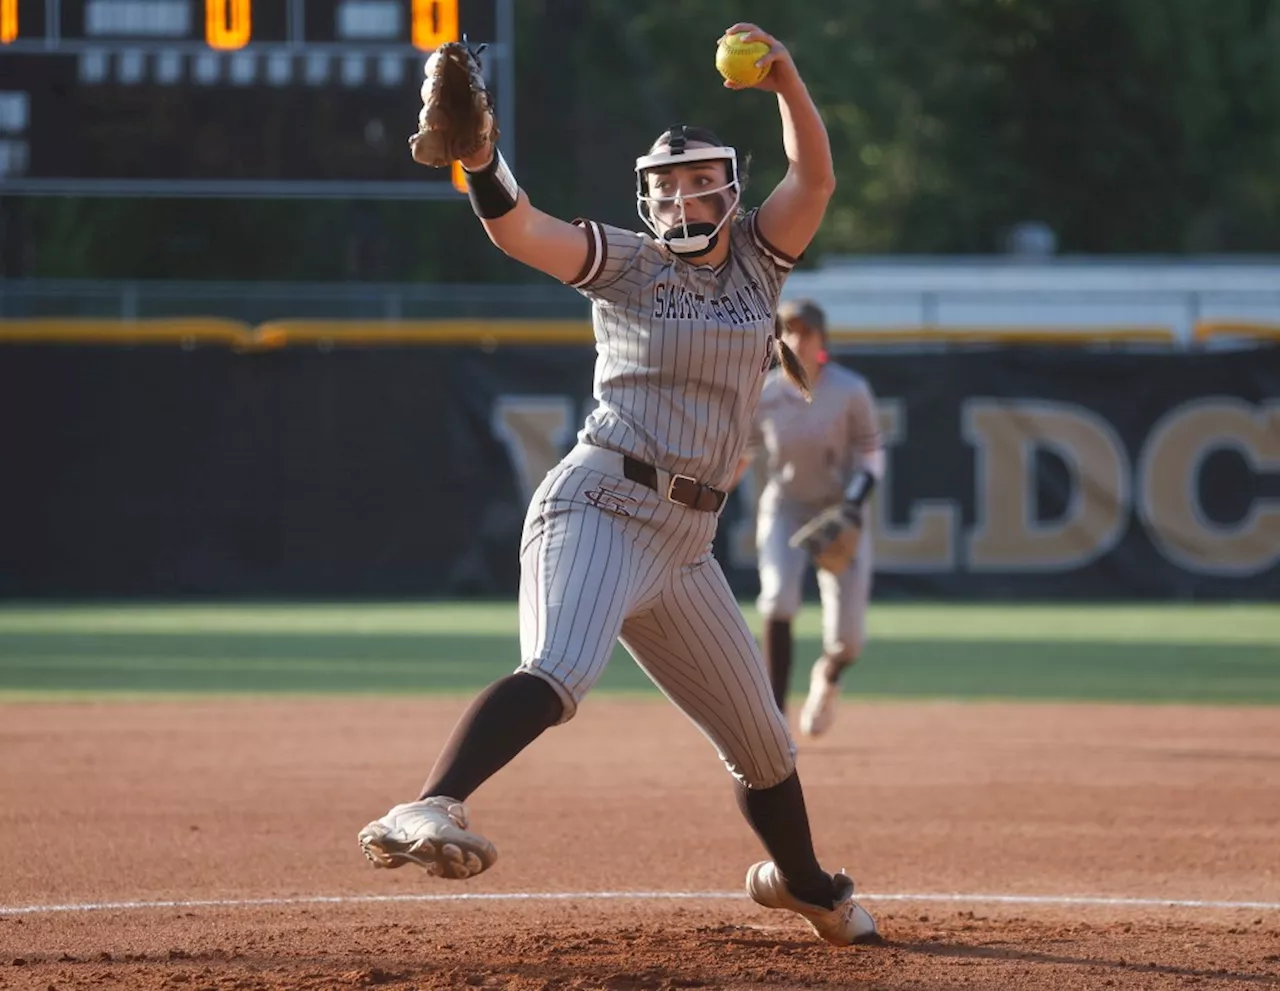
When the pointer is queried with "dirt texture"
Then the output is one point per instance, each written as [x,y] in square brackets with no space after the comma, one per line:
[212,845]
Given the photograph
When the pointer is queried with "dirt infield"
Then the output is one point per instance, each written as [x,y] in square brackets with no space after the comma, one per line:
[254,805]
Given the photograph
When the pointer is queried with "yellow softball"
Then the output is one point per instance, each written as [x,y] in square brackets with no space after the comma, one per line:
[736,59]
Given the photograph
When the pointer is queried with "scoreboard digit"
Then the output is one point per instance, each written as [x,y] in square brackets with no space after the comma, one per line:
[435,22]
[228,24]
[8,21]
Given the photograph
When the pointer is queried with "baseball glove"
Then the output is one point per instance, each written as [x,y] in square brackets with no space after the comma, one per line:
[831,538]
[457,110]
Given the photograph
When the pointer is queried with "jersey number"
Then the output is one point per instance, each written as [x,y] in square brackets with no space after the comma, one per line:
[768,355]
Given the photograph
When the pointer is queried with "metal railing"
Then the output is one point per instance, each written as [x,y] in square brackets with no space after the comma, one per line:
[858,315]
[258,302]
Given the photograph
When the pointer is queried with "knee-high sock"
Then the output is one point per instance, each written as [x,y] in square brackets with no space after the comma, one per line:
[779,818]
[777,655]
[504,719]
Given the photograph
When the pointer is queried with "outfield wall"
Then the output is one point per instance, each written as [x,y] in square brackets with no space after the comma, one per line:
[207,458]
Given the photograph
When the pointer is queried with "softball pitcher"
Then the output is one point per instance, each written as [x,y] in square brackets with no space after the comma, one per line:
[617,540]
[816,454]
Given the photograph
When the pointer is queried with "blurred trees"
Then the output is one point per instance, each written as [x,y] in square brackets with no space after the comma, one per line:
[1126,125]
[1136,126]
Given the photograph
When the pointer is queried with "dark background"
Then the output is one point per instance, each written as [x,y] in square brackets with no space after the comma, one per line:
[158,472]
[1126,126]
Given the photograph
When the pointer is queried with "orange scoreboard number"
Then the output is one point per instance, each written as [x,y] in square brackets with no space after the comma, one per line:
[434,23]
[228,24]
[8,21]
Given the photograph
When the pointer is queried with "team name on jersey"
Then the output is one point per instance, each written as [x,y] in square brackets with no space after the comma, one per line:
[676,302]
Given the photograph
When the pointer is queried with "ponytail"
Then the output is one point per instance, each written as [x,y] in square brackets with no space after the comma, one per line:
[792,368]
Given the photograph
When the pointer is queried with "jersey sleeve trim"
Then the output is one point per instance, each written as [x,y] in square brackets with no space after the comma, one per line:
[780,258]
[597,254]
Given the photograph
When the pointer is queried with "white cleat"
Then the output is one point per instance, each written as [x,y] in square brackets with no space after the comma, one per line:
[819,710]
[431,833]
[846,924]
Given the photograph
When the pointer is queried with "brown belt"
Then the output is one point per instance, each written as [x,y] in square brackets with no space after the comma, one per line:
[683,489]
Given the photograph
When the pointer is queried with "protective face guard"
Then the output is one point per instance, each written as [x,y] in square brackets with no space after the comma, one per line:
[682,237]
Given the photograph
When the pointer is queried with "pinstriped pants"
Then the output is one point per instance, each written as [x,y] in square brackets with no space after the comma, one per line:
[603,559]
[782,567]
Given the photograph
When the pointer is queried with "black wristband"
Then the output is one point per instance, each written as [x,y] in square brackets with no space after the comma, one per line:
[860,487]
[492,190]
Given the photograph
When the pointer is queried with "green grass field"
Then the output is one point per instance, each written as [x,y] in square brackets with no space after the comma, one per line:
[1185,653]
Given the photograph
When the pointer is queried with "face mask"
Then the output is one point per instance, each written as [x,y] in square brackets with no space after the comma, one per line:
[686,239]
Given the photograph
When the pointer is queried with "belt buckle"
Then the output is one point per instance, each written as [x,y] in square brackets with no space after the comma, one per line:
[671,488]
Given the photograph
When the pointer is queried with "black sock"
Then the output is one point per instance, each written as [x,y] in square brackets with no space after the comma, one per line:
[504,719]
[835,669]
[779,818]
[777,656]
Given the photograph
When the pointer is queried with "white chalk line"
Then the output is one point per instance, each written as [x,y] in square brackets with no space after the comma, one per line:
[573,896]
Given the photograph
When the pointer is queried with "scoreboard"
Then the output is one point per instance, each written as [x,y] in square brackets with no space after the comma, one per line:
[244,98]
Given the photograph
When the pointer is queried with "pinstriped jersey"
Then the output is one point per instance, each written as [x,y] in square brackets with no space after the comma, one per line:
[811,450]
[681,349]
